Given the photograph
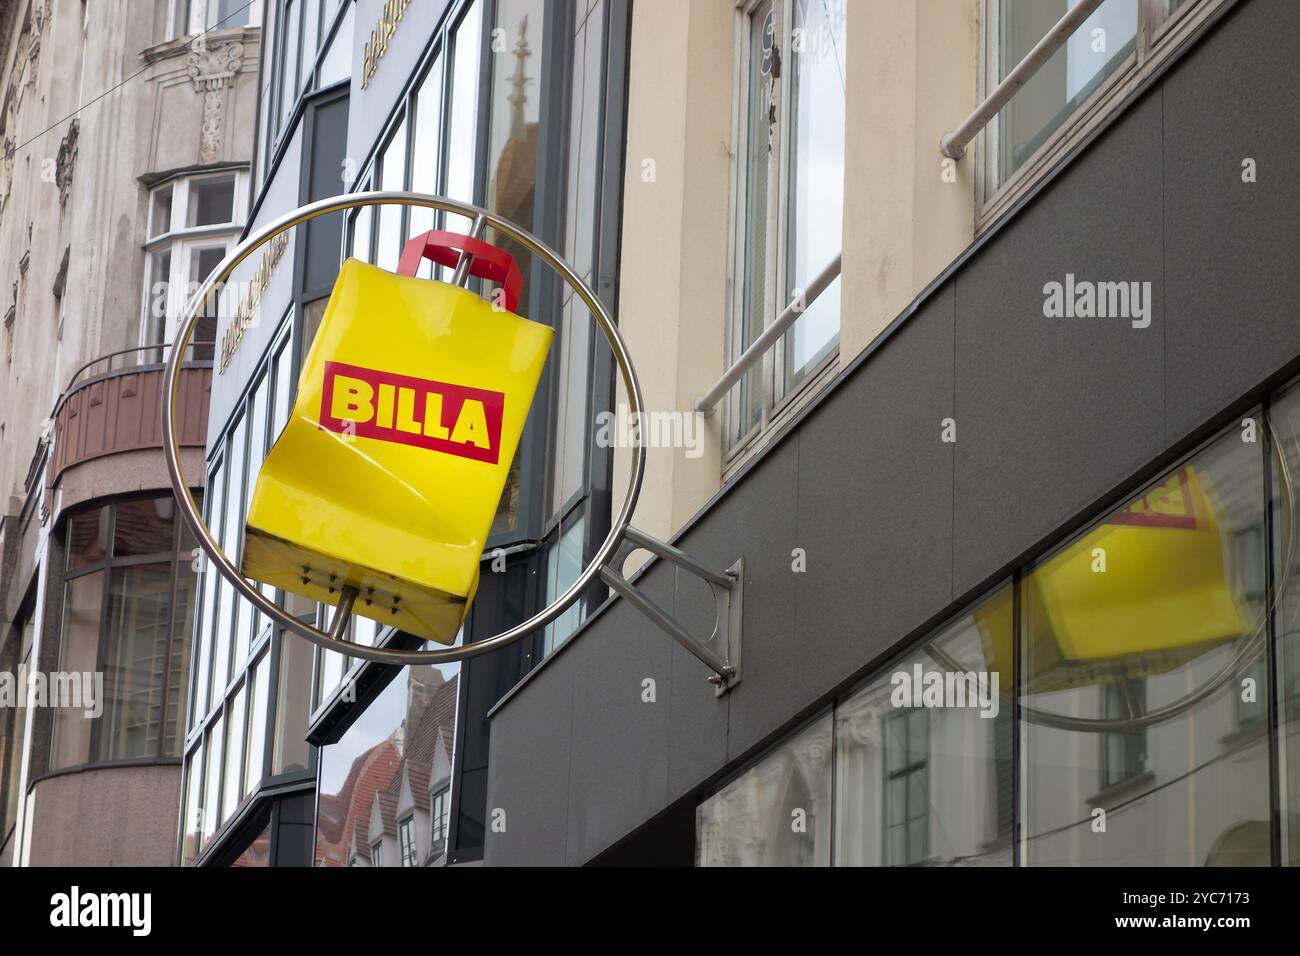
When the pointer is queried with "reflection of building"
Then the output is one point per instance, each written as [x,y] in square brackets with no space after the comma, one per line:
[125,140]
[392,807]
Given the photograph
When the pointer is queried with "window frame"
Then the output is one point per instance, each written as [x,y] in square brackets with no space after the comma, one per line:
[407,845]
[778,394]
[106,566]
[183,242]
[1158,35]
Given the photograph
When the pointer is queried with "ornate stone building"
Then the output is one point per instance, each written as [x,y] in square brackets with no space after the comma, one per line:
[126,131]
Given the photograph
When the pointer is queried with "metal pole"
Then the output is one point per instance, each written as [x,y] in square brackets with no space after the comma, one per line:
[666,621]
[461,276]
[953,145]
[709,400]
[678,557]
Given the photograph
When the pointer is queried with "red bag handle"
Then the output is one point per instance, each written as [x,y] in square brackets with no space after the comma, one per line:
[445,248]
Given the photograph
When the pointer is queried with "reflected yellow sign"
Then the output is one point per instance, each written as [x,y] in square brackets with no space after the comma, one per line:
[1147,589]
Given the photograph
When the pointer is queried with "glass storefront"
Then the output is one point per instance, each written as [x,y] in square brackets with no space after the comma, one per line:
[1144,663]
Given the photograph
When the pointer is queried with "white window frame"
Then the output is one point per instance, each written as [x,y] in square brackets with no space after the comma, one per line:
[1159,34]
[202,15]
[405,827]
[183,241]
[440,814]
[377,853]
[778,398]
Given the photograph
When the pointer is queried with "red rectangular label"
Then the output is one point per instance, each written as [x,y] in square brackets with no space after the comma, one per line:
[453,419]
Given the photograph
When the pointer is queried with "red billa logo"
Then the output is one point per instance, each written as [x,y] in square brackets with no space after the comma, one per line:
[454,419]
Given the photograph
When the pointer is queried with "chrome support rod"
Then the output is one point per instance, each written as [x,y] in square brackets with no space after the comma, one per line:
[667,623]
[678,557]
[342,614]
[727,587]
[476,229]
[953,145]
[707,403]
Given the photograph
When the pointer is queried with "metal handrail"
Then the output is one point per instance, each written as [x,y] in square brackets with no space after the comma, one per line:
[161,348]
[953,145]
[707,402]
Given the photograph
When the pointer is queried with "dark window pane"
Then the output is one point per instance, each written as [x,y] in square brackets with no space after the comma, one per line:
[137,659]
[78,653]
[87,537]
[144,526]
[212,201]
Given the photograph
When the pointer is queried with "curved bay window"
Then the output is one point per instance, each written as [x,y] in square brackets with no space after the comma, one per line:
[128,598]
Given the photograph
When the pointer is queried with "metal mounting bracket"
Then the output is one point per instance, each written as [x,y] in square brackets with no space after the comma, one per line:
[727,587]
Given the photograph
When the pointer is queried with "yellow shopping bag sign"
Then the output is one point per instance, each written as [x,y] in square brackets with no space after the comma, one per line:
[409,410]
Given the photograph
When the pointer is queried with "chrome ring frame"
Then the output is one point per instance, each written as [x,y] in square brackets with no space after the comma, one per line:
[228,570]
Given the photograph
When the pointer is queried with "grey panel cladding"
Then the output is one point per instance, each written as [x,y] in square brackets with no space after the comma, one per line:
[1233,248]
[1053,412]
[1052,415]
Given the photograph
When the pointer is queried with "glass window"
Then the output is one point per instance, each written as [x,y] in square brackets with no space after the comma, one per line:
[406,841]
[426,164]
[1134,640]
[136,636]
[144,526]
[563,565]
[377,854]
[1093,52]
[777,813]
[790,173]
[441,814]
[392,174]
[212,201]
[463,124]
[815,196]
[233,13]
[207,610]
[11,747]
[192,822]
[754,240]
[83,611]
[291,751]
[337,62]
[292,24]
[234,772]
[160,212]
[212,780]
[930,779]
[401,742]
[257,727]
[87,538]
[139,629]
[1286,421]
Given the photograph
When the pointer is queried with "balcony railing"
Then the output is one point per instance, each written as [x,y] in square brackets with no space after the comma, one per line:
[113,404]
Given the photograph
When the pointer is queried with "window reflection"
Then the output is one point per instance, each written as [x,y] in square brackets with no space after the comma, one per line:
[778,812]
[816,187]
[384,785]
[1135,638]
[127,614]
[1286,421]
[931,785]
[1072,74]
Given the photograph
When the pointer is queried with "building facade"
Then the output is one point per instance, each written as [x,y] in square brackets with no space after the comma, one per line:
[1015,492]
[1039,431]
[127,134]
